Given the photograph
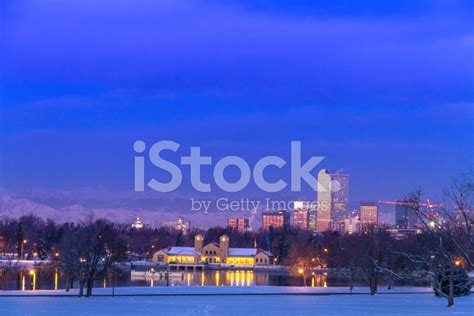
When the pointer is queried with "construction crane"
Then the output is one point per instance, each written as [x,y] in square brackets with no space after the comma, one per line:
[416,205]
[409,203]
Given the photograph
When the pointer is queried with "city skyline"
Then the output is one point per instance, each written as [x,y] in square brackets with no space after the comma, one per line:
[240,205]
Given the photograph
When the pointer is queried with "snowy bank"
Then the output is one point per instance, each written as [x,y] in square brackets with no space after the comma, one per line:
[396,304]
[225,290]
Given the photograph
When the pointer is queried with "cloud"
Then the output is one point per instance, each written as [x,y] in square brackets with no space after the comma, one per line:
[190,47]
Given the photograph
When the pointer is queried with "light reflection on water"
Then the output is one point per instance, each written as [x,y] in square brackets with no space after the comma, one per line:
[229,278]
[53,279]
[205,278]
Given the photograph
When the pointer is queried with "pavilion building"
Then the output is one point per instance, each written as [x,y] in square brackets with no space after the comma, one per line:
[214,253]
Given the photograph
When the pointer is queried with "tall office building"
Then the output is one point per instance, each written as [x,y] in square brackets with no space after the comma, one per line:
[339,196]
[300,215]
[277,220]
[368,213]
[405,216]
[324,199]
[312,216]
[239,224]
[332,197]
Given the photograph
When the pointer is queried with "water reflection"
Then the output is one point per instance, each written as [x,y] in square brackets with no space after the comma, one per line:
[53,279]
[239,278]
[204,278]
[33,274]
[319,280]
[56,277]
[23,288]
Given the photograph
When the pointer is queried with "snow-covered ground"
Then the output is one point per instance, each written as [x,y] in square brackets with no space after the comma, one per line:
[221,290]
[231,301]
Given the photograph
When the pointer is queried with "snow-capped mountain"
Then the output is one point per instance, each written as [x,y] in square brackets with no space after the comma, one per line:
[14,206]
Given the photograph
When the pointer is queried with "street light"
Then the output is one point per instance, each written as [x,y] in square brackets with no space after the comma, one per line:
[22,253]
[301,272]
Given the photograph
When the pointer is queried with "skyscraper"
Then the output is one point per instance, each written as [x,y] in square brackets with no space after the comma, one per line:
[368,213]
[339,196]
[323,216]
[239,224]
[333,198]
[405,216]
[300,215]
[277,220]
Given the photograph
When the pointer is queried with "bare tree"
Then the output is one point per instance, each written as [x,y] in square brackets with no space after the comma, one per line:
[451,233]
[303,259]
[340,254]
[90,251]
[374,249]
[460,220]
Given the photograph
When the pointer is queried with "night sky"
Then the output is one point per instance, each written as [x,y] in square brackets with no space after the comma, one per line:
[382,89]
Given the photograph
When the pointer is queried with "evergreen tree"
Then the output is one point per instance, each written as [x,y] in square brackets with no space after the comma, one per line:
[41,245]
[180,239]
[461,283]
[266,242]
[20,236]
[283,246]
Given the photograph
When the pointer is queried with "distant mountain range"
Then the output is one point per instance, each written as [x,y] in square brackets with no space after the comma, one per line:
[121,209]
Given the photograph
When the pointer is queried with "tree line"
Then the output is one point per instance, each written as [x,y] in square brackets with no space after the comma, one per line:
[443,252]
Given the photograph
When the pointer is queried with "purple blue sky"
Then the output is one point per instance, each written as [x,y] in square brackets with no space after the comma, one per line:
[383,89]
